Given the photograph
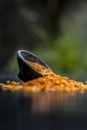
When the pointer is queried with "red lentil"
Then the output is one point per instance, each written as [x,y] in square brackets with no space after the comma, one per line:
[49,82]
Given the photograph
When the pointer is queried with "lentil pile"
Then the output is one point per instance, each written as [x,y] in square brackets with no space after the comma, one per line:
[49,82]
[43,70]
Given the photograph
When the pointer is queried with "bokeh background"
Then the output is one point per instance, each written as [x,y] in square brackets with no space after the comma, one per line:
[55,30]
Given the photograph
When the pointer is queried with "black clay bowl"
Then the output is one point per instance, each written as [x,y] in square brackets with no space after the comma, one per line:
[26,72]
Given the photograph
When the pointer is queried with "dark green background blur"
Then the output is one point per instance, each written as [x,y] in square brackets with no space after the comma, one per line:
[55,30]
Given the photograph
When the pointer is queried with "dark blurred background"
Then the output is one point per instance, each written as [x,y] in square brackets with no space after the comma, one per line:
[55,30]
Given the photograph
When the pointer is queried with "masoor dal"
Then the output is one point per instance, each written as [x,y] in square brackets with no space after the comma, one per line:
[49,82]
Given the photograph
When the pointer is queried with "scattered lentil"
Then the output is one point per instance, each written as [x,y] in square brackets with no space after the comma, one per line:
[49,82]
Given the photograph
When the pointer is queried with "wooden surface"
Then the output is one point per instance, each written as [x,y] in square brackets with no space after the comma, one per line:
[43,111]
